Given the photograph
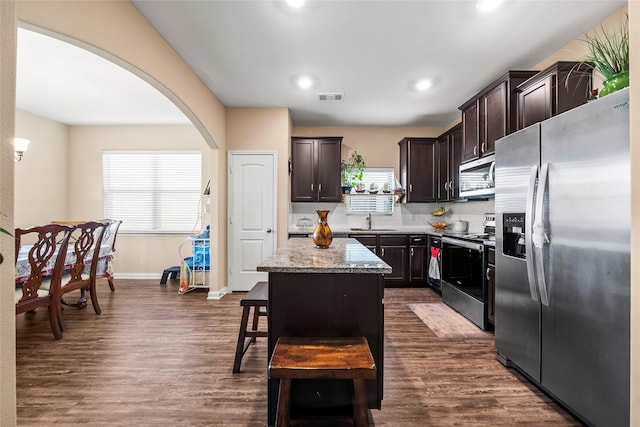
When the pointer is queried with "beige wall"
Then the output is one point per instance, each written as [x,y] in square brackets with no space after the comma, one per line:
[117,31]
[265,129]
[7,308]
[41,177]
[575,50]
[141,255]
[69,181]
[378,145]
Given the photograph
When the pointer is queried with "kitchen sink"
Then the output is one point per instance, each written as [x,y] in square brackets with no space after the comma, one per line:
[372,229]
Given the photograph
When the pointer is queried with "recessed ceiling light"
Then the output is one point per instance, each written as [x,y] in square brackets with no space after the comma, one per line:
[295,3]
[305,82]
[422,85]
[487,5]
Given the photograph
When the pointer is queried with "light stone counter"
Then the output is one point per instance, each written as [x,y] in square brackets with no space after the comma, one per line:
[300,255]
[403,229]
[398,230]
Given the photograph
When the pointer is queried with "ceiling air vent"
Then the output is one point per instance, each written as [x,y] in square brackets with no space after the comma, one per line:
[330,96]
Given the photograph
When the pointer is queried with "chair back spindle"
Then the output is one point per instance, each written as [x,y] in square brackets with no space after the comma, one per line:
[42,285]
[82,274]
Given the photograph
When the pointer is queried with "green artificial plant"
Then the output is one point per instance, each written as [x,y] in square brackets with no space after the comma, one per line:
[352,170]
[609,50]
[608,54]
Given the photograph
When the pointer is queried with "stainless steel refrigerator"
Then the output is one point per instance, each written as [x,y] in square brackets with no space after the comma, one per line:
[563,209]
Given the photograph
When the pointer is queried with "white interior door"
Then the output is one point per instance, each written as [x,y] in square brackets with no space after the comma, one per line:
[252,201]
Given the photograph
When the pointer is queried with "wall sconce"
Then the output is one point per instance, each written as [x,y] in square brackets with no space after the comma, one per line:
[20,146]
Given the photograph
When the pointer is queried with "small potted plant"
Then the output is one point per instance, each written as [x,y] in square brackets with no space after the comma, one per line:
[352,171]
[608,54]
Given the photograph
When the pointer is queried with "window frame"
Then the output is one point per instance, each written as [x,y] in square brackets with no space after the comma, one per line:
[170,182]
[366,202]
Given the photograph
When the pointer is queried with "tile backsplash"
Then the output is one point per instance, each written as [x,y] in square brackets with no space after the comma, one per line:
[404,214]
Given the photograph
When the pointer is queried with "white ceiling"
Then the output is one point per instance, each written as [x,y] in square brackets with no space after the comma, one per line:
[249,52]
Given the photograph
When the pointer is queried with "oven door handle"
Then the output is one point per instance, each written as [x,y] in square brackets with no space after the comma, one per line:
[463,243]
[528,226]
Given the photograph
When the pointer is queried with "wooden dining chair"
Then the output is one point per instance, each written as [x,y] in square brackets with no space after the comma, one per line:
[42,285]
[110,238]
[85,245]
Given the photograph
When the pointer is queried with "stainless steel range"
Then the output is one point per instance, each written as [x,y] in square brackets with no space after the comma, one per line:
[464,263]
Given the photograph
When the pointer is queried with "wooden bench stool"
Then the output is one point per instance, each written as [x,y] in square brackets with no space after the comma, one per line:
[316,358]
[257,298]
[173,271]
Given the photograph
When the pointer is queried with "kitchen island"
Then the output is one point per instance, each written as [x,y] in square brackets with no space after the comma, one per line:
[330,292]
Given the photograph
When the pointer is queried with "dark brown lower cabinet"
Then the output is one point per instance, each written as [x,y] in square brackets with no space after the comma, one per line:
[393,251]
[418,259]
[404,253]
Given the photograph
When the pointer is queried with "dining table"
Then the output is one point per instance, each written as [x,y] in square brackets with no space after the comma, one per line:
[104,269]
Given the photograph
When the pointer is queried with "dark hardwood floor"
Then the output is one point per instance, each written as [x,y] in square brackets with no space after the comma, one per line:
[154,357]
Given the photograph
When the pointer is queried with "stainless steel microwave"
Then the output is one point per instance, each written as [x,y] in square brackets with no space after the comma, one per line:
[477,178]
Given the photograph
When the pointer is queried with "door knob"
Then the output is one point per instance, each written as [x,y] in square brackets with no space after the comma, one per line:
[268,230]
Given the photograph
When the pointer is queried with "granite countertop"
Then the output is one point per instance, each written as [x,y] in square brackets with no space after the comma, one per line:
[403,229]
[343,256]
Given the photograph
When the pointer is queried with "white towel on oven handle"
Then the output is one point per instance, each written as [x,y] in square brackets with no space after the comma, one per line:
[434,268]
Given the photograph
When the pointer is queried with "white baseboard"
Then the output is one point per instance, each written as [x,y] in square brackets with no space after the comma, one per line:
[212,295]
[138,276]
[218,294]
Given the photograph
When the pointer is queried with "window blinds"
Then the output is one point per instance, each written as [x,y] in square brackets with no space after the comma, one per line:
[367,202]
[153,191]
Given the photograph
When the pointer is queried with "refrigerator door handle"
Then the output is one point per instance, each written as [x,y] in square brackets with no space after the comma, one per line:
[533,175]
[539,235]
[492,174]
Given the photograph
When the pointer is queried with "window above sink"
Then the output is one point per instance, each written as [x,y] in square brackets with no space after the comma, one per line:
[377,193]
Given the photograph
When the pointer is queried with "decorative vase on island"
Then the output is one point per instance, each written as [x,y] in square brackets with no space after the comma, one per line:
[614,83]
[322,236]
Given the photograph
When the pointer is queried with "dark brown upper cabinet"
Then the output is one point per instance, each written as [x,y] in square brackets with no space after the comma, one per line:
[418,169]
[491,114]
[315,169]
[552,91]
[449,155]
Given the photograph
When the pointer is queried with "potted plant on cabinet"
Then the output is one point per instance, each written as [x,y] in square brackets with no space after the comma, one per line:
[352,171]
[608,54]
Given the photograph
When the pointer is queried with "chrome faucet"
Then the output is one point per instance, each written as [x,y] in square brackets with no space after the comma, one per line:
[368,219]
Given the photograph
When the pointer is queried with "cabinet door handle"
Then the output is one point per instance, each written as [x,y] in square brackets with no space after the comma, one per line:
[488,274]
[483,147]
[319,188]
[446,186]
[451,186]
[382,251]
[312,188]
[412,252]
[475,150]
[410,188]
